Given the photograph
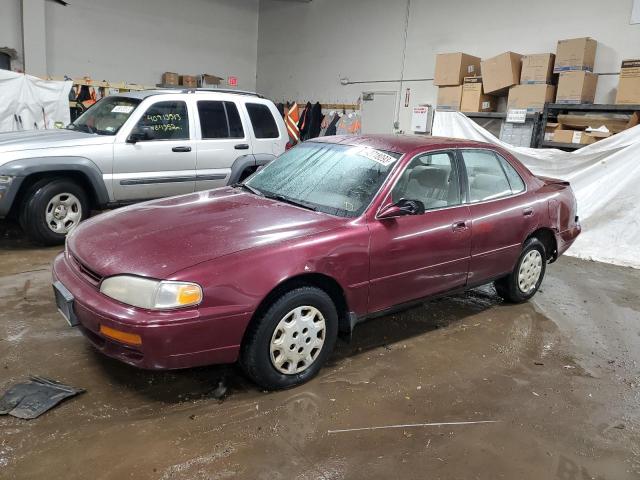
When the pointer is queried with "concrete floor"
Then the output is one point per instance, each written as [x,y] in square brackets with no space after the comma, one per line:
[560,377]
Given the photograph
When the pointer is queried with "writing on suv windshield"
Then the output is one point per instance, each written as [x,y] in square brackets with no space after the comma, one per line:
[106,116]
[335,179]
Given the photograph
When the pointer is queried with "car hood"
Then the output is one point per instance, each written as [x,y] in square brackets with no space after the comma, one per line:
[156,239]
[54,138]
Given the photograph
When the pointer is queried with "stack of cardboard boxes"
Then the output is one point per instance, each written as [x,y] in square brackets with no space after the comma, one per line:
[574,64]
[451,70]
[536,83]
[629,86]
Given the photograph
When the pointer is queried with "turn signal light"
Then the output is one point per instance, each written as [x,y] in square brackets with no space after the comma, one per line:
[124,337]
[189,294]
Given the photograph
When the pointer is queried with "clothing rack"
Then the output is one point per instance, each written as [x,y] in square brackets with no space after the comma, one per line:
[333,106]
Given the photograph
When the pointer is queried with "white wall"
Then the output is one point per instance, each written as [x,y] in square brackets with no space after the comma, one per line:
[11,28]
[136,41]
[304,48]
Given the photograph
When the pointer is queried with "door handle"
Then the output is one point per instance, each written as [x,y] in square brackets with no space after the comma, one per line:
[527,212]
[181,149]
[458,226]
[242,146]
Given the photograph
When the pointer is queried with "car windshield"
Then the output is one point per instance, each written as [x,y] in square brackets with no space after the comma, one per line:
[335,179]
[106,116]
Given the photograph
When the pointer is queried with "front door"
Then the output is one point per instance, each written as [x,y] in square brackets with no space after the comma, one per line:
[502,214]
[415,256]
[157,157]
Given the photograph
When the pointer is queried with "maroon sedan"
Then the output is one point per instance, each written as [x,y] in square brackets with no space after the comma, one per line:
[335,231]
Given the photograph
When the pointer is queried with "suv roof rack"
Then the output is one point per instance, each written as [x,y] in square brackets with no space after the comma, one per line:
[218,90]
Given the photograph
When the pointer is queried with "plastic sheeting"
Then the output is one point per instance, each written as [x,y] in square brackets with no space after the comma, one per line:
[605,177]
[28,102]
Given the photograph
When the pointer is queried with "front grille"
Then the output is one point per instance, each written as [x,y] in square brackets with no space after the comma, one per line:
[89,274]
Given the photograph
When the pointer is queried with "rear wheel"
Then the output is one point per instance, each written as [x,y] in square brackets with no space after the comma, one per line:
[52,209]
[291,341]
[526,278]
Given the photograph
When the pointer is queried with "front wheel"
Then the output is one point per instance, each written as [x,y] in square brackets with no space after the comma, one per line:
[526,278]
[52,209]
[291,341]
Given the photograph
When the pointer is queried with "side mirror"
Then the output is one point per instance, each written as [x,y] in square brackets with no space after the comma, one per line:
[401,208]
[139,135]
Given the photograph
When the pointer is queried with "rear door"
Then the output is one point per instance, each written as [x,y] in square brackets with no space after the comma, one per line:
[502,214]
[222,137]
[162,162]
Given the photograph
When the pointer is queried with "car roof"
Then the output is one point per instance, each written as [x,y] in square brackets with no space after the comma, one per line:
[142,94]
[400,143]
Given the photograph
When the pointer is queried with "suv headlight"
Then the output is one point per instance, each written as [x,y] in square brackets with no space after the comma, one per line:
[6,179]
[151,294]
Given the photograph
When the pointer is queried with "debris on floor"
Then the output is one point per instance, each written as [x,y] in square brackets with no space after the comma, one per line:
[33,398]
[411,425]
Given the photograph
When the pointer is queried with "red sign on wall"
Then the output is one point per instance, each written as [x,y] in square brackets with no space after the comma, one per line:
[232,81]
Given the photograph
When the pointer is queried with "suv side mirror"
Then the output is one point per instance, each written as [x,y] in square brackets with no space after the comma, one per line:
[401,208]
[139,135]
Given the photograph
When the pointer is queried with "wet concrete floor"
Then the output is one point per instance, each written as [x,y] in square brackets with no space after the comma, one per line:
[559,376]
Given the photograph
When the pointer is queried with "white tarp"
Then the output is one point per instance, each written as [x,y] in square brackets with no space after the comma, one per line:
[28,102]
[605,177]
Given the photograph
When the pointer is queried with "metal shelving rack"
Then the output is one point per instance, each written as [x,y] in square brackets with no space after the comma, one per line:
[552,110]
[535,116]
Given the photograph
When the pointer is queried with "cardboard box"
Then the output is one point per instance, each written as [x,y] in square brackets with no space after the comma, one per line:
[532,97]
[577,87]
[208,80]
[188,81]
[573,136]
[575,54]
[537,68]
[450,98]
[629,85]
[474,98]
[169,78]
[550,129]
[501,72]
[451,68]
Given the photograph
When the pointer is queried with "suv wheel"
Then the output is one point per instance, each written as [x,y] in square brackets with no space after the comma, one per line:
[288,345]
[52,209]
[523,283]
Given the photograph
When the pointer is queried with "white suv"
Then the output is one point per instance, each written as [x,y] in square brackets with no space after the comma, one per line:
[132,147]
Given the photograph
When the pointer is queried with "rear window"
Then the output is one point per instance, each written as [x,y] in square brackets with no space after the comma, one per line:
[264,125]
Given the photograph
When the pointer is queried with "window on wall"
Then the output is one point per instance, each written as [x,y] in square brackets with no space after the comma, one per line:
[5,61]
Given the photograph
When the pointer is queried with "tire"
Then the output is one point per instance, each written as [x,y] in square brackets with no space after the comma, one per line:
[51,194]
[268,334]
[518,287]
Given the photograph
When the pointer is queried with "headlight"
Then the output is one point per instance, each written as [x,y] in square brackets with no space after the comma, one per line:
[151,294]
[6,179]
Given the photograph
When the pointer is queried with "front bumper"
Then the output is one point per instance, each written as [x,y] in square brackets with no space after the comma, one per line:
[170,339]
[8,194]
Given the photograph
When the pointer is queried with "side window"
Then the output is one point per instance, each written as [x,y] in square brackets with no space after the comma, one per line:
[515,181]
[432,179]
[219,120]
[487,179]
[165,121]
[262,120]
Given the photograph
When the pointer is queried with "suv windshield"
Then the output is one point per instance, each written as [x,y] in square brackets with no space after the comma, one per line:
[335,179]
[106,116]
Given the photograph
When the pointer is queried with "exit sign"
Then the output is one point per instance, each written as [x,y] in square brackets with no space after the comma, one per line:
[232,81]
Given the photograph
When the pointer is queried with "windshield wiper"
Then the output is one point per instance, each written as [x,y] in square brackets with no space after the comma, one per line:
[248,188]
[291,201]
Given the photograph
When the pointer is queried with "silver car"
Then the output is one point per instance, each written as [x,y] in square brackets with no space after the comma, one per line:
[133,147]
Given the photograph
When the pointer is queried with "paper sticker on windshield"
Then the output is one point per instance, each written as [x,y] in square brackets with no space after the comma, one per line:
[377,156]
[122,109]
